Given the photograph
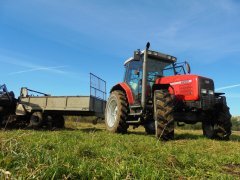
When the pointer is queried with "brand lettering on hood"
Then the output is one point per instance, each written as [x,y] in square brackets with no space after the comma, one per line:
[181,82]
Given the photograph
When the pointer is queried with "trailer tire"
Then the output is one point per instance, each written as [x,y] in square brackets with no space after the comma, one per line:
[116,112]
[163,114]
[36,120]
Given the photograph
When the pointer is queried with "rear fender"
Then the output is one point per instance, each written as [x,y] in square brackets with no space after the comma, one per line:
[126,89]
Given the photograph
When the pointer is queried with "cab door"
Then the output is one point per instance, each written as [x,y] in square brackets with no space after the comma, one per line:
[133,77]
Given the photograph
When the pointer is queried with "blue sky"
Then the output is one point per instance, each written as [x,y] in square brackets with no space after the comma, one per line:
[51,46]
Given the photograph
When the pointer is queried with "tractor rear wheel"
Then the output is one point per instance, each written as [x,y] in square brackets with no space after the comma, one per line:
[116,112]
[163,114]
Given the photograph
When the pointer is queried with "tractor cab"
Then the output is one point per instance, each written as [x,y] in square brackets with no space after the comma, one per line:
[158,65]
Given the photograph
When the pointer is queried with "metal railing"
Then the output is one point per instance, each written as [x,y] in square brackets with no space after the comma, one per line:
[97,87]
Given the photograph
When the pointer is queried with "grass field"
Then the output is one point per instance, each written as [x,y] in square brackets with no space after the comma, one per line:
[89,152]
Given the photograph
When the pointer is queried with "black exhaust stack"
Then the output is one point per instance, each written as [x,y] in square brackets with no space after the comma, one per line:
[144,80]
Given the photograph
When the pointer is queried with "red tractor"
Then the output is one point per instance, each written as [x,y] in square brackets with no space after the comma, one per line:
[157,91]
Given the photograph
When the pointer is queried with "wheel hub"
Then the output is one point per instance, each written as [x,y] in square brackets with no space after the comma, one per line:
[112,113]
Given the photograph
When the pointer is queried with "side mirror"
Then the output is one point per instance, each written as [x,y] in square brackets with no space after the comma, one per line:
[188,68]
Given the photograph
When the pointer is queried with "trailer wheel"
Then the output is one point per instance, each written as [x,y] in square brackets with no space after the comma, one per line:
[116,112]
[163,113]
[58,121]
[150,127]
[36,120]
[224,124]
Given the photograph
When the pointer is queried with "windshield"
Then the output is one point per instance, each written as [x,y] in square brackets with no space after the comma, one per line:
[156,69]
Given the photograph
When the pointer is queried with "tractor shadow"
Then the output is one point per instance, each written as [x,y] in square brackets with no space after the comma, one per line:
[140,133]
[189,136]
[179,136]
[235,137]
[90,130]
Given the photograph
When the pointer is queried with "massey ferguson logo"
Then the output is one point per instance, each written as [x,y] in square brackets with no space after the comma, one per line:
[181,82]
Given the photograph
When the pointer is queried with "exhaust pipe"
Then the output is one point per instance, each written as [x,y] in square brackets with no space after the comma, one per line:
[144,79]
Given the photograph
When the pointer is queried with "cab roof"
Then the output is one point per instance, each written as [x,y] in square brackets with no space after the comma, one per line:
[152,54]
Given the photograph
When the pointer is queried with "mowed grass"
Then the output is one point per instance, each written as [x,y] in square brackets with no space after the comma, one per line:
[90,152]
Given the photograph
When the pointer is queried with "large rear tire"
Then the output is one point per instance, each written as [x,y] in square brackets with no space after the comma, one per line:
[116,112]
[163,114]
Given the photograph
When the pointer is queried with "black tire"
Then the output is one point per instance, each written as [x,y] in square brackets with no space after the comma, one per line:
[58,121]
[220,127]
[116,112]
[208,129]
[224,124]
[150,127]
[1,120]
[36,120]
[163,114]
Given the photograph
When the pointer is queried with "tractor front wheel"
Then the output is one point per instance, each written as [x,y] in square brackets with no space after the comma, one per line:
[208,129]
[1,120]
[220,128]
[163,114]
[116,112]
[150,127]
[224,124]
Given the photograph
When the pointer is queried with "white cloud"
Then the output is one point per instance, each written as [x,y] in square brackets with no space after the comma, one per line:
[27,65]
[50,69]
[228,87]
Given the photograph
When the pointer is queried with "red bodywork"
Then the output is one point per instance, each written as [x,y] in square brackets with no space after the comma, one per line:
[127,90]
[184,87]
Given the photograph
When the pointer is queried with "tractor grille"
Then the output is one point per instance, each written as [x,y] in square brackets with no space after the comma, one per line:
[207,102]
[206,89]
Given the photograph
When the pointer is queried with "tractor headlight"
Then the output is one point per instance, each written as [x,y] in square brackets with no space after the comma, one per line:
[203,91]
[211,92]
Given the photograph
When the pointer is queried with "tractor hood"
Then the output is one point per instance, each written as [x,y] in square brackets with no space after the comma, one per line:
[188,87]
